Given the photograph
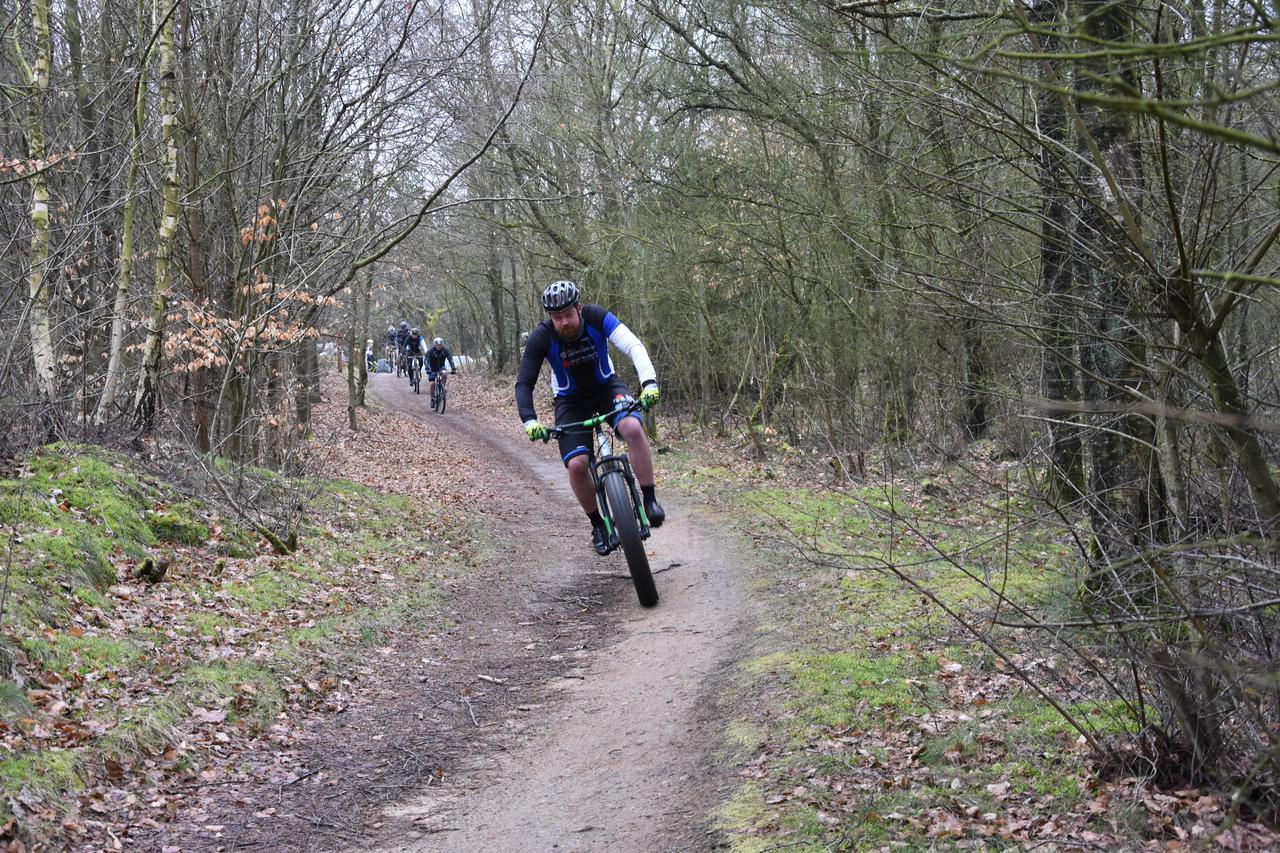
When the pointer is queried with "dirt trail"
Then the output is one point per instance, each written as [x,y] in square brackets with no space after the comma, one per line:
[617,755]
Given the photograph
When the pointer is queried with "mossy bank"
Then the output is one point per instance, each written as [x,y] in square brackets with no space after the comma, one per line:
[141,625]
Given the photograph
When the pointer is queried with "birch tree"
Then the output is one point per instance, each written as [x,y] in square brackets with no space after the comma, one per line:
[35,78]
[146,398]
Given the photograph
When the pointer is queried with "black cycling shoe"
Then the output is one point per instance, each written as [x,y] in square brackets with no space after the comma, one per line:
[655,512]
[600,539]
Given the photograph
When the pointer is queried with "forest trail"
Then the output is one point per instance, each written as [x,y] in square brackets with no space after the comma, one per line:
[618,756]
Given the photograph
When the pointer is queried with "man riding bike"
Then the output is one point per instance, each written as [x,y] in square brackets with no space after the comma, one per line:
[402,339]
[391,345]
[415,346]
[436,358]
[574,340]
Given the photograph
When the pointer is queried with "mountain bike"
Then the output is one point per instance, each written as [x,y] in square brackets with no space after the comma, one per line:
[618,497]
[440,394]
[415,373]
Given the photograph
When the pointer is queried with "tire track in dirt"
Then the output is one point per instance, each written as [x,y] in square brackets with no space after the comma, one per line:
[620,756]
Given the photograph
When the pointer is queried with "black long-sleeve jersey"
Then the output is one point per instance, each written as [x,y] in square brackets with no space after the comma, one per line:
[578,366]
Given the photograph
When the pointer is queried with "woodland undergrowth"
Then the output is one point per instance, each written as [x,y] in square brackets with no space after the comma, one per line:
[921,675]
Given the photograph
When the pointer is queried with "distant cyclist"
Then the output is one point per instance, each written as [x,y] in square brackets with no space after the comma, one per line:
[391,345]
[574,340]
[402,338]
[437,356]
[415,346]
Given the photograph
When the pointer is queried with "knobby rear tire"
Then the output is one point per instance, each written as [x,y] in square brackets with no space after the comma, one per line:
[625,521]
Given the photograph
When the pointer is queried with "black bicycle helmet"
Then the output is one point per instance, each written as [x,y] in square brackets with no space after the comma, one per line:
[560,294]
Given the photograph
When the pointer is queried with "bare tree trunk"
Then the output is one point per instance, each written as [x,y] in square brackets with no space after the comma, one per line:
[200,404]
[516,328]
[1206,344]
[307,367]
[366,302]
[1168,448]
[974,370]
[1061,378]
[354,389]
[357,374]
[89,268]
[147,398]
[36,78]
[125,273]
[1118,479]
[493,271]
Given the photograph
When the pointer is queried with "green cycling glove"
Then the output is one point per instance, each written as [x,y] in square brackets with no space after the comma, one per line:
[536,431]
[648,397]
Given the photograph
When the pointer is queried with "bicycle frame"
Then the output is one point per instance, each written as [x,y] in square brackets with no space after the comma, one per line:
[602,460]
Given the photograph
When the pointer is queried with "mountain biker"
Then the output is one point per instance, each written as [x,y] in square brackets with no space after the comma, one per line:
[370,364]
[415,345]
[436,358]
[574,340]
[401,337]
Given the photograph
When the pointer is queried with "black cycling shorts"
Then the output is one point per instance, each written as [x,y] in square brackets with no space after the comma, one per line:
[579,407]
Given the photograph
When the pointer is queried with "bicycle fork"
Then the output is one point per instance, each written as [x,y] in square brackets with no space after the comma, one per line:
[605,465]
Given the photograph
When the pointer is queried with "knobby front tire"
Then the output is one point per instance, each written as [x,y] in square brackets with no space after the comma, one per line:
[623,513]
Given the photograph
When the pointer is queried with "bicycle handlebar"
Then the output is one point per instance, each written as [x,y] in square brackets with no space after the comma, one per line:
[593,421]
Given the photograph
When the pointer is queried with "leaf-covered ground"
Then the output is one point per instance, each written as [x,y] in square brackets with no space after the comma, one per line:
[165,666]
[149,638]
[870,717]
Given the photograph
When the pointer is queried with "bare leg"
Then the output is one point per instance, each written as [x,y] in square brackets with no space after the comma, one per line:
[637,449]
[580,481]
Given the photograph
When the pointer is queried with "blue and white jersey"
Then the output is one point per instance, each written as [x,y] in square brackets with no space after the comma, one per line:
[580,366]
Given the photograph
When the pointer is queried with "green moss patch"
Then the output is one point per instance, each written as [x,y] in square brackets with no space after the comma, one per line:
[65,652]
[119,665]
[176,524]
[881,719]
[50,771]
[246,690]
[78,509]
